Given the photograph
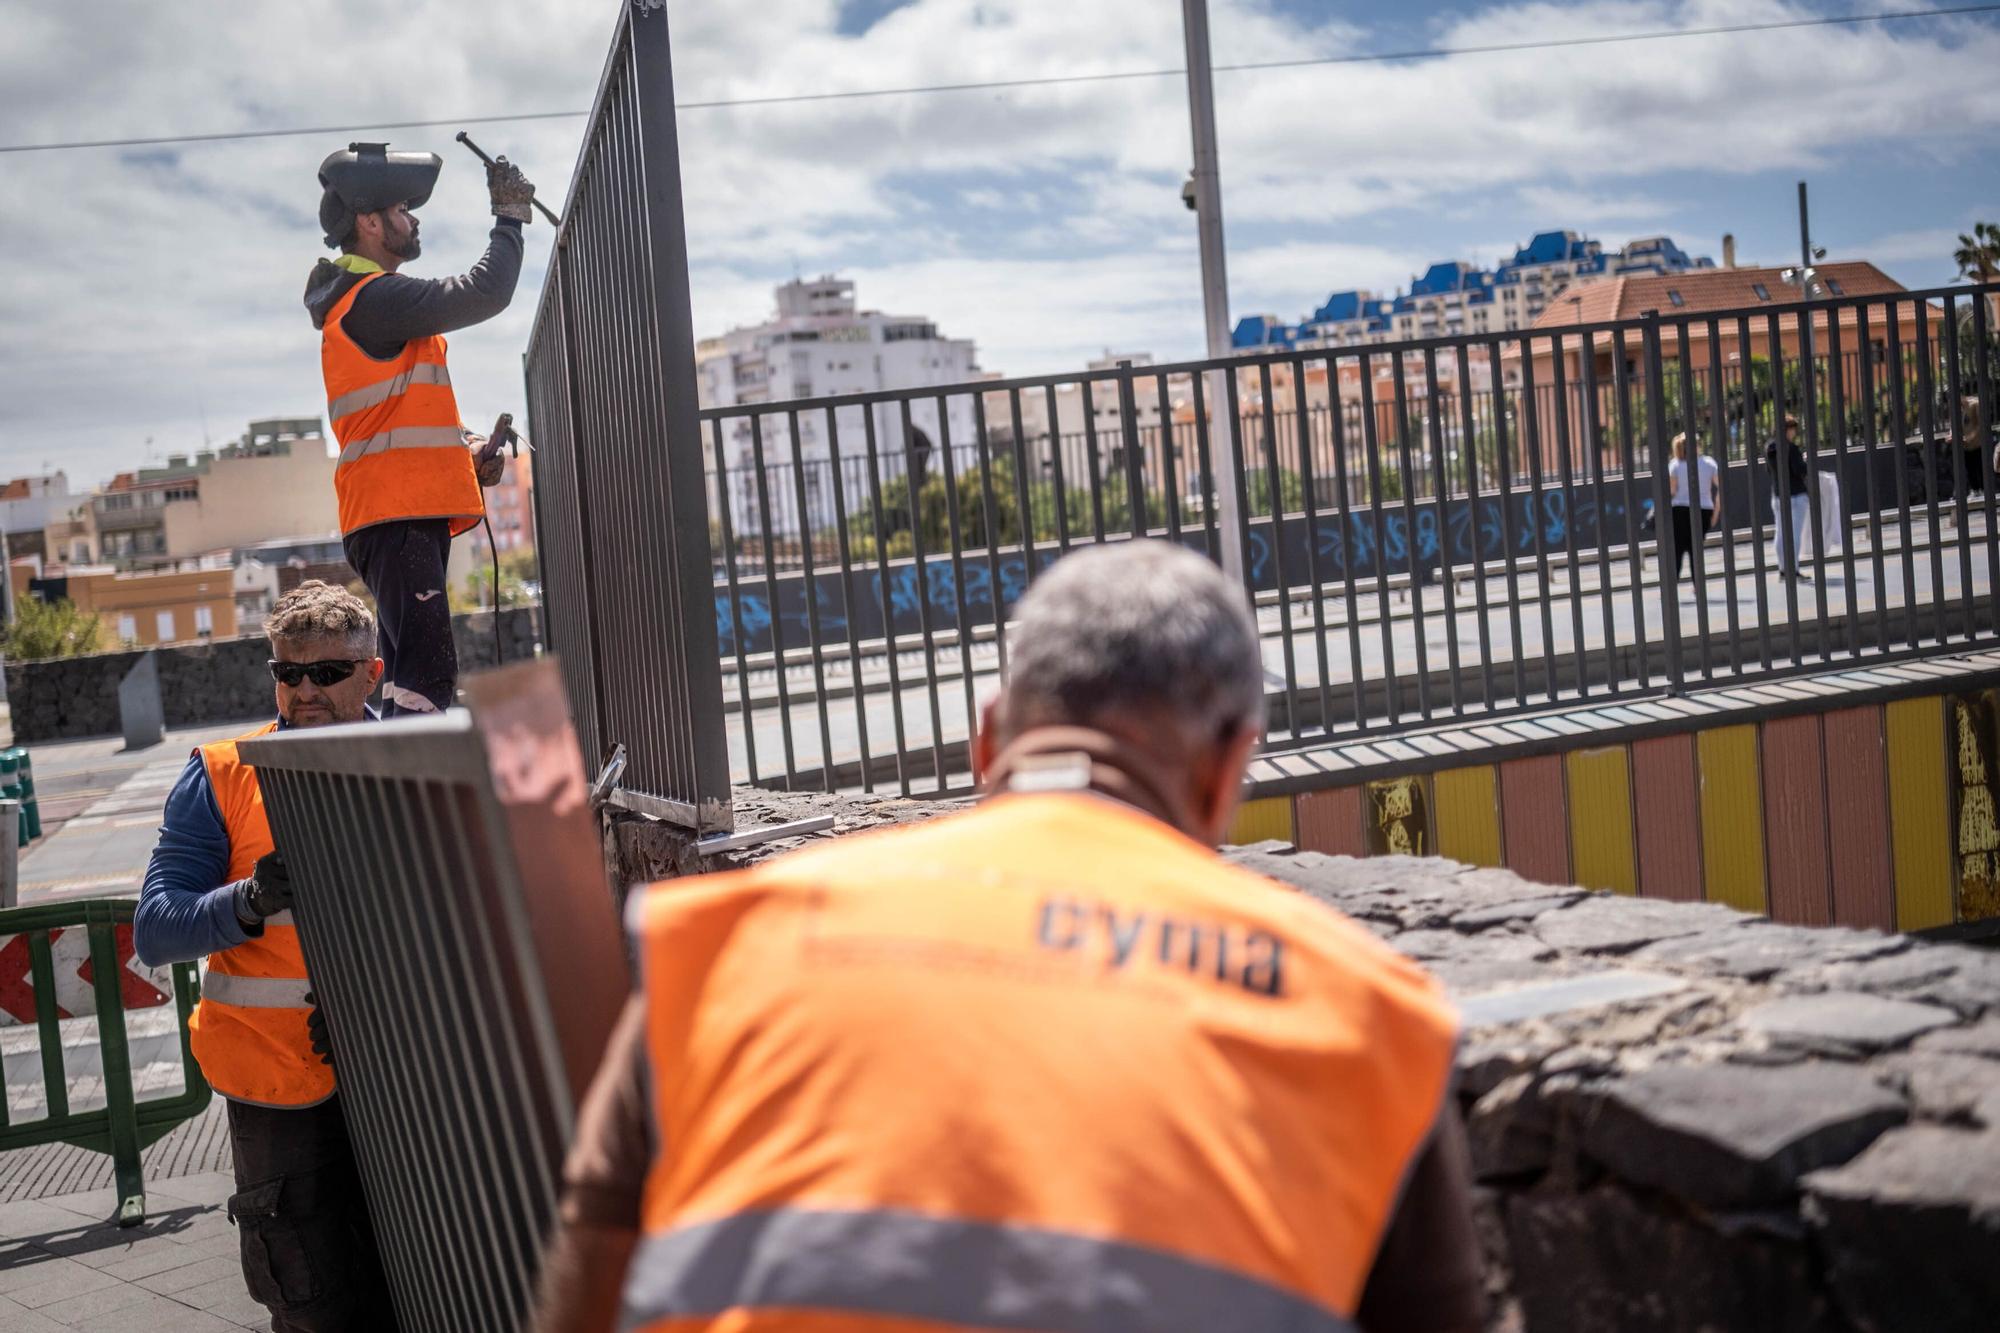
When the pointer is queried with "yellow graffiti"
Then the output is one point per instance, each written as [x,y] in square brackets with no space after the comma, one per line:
[1400,820]
[1976,826]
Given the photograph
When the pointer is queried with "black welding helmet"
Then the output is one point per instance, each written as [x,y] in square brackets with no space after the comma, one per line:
[368,178]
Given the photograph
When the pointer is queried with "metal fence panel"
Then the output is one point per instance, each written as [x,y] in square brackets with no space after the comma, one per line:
[464,949]
[622,513]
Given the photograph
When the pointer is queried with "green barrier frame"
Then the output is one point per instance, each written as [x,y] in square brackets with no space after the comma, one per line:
[124,1126]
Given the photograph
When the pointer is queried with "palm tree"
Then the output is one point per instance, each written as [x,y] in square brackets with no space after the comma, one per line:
[1978,255]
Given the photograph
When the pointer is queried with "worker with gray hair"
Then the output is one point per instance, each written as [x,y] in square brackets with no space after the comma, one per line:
[1049,1063]
[216,886]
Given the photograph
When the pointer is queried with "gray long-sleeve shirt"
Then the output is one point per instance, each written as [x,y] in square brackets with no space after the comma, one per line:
[397,308]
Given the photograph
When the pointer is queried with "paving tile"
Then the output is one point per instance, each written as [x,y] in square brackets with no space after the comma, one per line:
[226,1298]
[59,1281]
[210,1189]
[162,1314]
[20,1319]
[192,1275]
[27,1218]
[87,1310]
[143,1258]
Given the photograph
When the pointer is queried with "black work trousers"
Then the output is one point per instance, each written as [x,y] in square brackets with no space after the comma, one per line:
[309,1253]
[1687,546]
[403,564]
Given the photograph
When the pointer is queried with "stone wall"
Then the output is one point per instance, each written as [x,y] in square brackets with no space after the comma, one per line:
[1779,1128]
[200,684]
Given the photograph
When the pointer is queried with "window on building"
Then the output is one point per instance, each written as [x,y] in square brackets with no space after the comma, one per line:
[128,629]
[1763,292]
[163,623]
[1833,285]
[204,620]
[1675,297]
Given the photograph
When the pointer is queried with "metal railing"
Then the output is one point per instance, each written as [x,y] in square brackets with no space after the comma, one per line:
[1437,529]
[618,494]
[73,960]
[464,949]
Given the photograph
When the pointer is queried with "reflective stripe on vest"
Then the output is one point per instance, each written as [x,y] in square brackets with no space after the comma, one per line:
[1045,1064]
[402,448]
[249,1031]
[255,992]
[938,1270]
[424,372]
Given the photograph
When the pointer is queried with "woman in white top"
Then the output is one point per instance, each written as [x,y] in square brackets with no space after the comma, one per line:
[1701,496]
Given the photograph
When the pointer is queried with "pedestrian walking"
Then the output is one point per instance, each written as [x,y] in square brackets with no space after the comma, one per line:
[217,886]
[1696,501]
[1050,1063]
[1791,502]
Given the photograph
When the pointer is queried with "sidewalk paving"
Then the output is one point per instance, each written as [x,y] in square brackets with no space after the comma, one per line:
[64,1265]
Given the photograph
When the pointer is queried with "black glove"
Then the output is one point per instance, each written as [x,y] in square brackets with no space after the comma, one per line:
[266,893]
[322,1043]
[512,193]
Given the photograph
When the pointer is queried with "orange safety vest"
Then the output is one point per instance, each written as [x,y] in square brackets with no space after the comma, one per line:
[402,449]
[249,1031]
[1048,1064]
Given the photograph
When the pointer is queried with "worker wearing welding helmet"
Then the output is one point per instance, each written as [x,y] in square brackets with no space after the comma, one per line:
[407,480]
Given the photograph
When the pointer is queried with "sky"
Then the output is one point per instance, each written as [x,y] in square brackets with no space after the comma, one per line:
[152,296]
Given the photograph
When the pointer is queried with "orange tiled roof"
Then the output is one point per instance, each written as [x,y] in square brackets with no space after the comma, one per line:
[1630,296]
[16,489]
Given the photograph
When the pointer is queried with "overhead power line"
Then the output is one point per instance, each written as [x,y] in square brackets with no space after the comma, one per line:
[1053,80]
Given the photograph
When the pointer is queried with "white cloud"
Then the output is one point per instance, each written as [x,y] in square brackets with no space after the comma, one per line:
[1043,222]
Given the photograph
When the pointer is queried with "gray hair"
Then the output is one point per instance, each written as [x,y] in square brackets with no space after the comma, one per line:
[1136,624]
[316,610]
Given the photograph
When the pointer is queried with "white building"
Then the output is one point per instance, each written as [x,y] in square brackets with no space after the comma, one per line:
[818,345]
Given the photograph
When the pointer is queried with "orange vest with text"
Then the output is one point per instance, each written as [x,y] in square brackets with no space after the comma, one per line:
[402,450]
[1047,1064]
[249,1031]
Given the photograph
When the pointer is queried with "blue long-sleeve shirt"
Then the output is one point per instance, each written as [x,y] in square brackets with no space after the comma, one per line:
[187,905]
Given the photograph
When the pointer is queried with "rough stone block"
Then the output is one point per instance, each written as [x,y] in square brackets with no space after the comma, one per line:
[1605,1260]
[1756,949]
[1608,923]
[1911,1230]
[1731,1136]
[1844,1023]
[1981,1039]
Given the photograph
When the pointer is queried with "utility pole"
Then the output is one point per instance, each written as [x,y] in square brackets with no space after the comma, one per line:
[1207,202]
[1805,246]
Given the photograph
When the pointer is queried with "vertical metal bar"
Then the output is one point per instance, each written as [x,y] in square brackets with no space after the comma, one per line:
[744,709]
[1237,469]
[1870,434]
[923,598]
[1989,461]
[1690,478]
[1406,477]
[1170,480]
[1348,527]
[48,1034]
[1273,478]
[1207,465]
[1718,440]
[1842,452]
[115,1059]
[1023,498]
[1577,638]
[1056,462]
[990,512]
[1505,467]
[810,585]
[1470,430]
[1780,484]
[1441,507]
[1752,457]
[1593,428]
[1656,430]
[1093,463]
[888,600]
[1135,475]
[1531,449]
[1900,418]
[1961,480]
[847,603]
[1927,418]
[964,623]
[1809,394]
[1374,464]
[778,663]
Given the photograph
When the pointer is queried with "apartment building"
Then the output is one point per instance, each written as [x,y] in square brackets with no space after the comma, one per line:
[139,609]
[1454,298]
[820,343]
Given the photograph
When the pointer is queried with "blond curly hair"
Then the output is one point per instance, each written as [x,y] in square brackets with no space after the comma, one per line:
[316,610]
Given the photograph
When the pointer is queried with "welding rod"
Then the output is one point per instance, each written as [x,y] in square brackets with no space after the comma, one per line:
[480,153]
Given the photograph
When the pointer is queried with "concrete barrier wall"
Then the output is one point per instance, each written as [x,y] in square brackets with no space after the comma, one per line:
[69,697]
[1872,814]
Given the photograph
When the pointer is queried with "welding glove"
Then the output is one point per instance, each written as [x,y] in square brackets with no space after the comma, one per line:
[513,195]
[322,1043]
[266,893]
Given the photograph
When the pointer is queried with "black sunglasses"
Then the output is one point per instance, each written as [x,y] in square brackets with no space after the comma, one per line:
[331,671]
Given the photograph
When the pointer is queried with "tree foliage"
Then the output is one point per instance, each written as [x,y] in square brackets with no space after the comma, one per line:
[52,629]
